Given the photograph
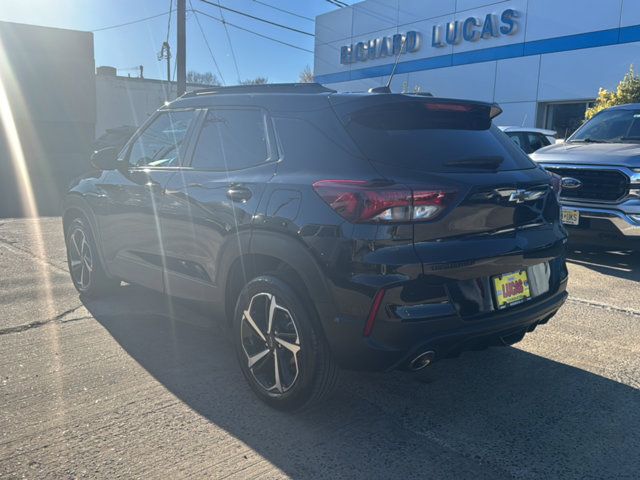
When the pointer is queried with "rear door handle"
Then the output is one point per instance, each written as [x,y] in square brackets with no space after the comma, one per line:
[238,193]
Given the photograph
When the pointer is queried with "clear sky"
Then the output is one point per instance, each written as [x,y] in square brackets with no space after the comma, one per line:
[138,44]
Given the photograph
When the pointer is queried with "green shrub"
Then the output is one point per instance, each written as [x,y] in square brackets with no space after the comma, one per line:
[628,91]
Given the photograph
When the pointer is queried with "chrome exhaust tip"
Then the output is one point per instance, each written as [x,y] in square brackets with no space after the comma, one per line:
[421,361]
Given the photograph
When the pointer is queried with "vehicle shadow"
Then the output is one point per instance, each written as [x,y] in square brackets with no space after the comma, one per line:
[624,264]
[502,413]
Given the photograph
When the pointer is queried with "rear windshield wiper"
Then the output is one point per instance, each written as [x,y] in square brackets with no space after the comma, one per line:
[488,163]
[634,139]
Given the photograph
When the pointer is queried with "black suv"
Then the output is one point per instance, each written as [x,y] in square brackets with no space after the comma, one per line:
[367,231]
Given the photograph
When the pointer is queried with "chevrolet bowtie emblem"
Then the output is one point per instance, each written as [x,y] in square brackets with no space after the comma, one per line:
[519,196]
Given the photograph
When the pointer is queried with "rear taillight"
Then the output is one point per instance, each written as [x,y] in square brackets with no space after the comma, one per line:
[363,202]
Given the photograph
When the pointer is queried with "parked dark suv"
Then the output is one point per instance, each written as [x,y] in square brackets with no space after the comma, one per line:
[364,231]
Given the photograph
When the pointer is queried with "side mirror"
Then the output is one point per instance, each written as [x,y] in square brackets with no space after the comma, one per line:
[105,159]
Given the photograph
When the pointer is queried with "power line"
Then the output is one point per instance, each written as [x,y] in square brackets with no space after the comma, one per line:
[226,31]
[195,14]
[284,11]
[258,18]
[338,3]
[132,22]
[253,32]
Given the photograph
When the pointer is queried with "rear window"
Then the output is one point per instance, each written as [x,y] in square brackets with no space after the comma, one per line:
[433,136]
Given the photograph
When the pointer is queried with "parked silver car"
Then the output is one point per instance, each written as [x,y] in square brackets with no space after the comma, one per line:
[600,169]
[530,139]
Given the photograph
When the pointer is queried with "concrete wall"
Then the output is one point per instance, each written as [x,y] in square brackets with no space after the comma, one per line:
[562,50]
[48,75]
[59,106]
[128,101]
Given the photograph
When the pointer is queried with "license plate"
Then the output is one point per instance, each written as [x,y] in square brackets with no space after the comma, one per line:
[511,288]
[570,217]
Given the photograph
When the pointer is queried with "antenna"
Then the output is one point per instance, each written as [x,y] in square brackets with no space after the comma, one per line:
[524,120]
[393,72]
[387,87]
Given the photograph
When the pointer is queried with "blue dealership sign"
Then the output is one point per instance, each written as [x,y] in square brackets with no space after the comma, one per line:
[381,47]
[472,29]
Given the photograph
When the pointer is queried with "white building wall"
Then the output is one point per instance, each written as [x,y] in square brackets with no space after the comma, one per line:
[130,101]
[475,81]
[517,79]
[579,74]
[373,16]
[537,70]
[630,14]
[518,113]
[557,18]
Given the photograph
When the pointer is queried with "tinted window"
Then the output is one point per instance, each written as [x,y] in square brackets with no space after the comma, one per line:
[162,142]
[537,141]
[434,137]
[516,139]
[231,140]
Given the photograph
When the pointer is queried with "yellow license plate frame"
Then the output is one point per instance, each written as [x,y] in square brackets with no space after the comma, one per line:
[511,288]
[570,217]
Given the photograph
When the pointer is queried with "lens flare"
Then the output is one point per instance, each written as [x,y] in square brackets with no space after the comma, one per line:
[10,99]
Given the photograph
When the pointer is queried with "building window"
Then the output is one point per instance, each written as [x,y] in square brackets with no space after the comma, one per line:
[565,118]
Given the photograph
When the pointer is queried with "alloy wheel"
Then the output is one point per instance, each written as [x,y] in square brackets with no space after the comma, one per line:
[80,258]
[271,343]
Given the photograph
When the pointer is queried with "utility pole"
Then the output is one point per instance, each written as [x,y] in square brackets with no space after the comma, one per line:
[181,54]
[168,64]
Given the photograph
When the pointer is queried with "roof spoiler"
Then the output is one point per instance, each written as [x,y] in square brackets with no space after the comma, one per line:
[351,103]
[262,88]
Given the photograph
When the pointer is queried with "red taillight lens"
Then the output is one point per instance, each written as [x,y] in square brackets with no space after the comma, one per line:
[450,107]
[359,201]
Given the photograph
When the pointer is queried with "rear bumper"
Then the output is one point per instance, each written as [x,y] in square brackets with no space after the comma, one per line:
[504,328]
[446,301]
[394,343]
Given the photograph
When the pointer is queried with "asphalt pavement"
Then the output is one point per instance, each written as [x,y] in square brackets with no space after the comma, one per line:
[138,386]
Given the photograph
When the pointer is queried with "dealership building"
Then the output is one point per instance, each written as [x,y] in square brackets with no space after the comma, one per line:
[543,61]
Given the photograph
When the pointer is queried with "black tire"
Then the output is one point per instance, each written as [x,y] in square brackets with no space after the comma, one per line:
[316,370]
[86,269]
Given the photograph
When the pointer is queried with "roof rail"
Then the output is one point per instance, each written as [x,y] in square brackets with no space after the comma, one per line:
[262,88]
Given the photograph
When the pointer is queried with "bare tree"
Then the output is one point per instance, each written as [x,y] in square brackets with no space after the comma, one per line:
[255,81]
[306,75]
[202,78]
